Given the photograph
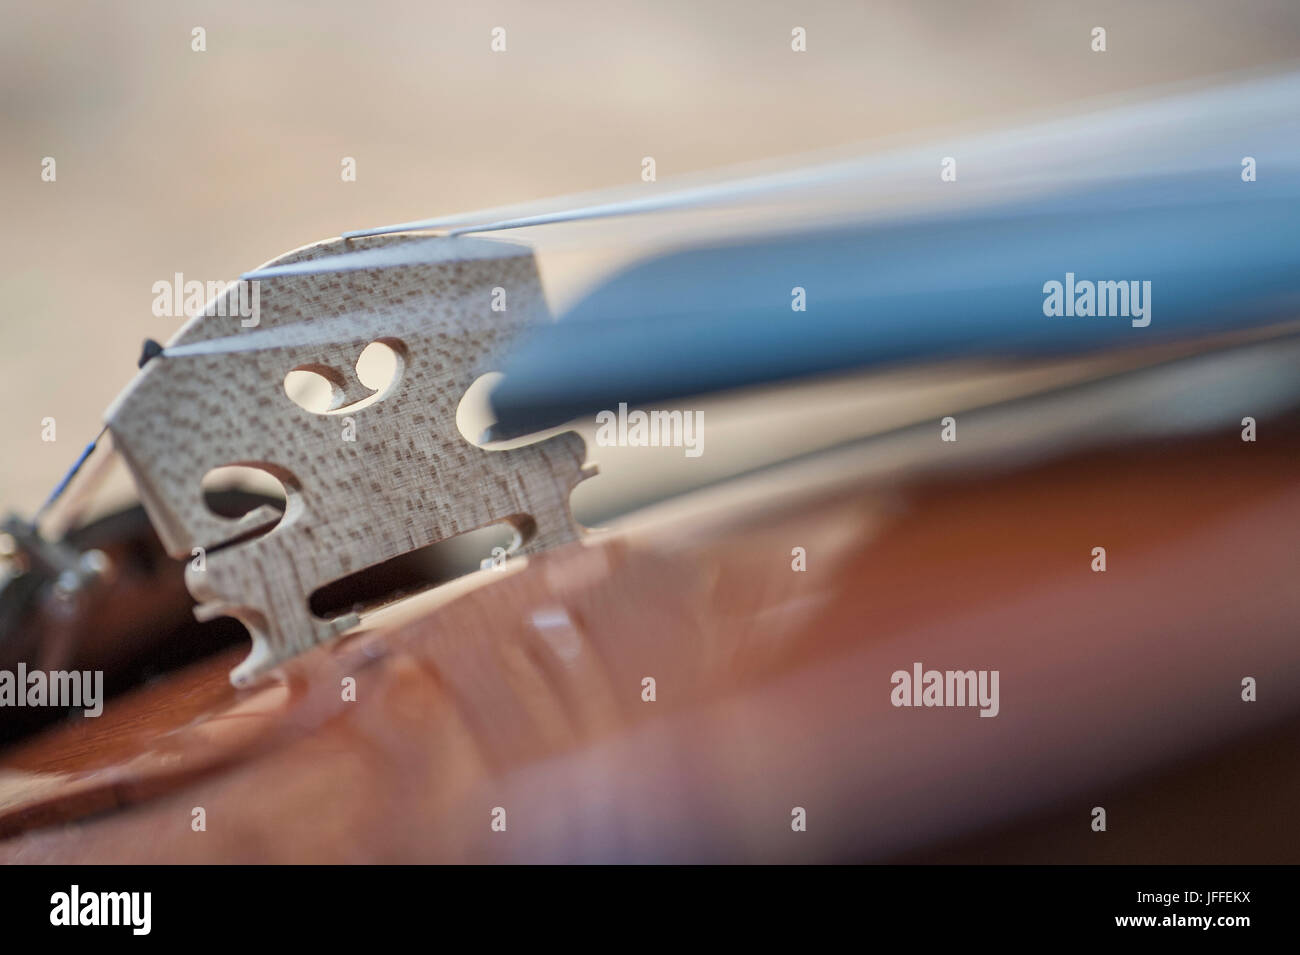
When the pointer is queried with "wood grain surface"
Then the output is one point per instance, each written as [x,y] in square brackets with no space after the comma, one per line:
[362,484]
[773,691]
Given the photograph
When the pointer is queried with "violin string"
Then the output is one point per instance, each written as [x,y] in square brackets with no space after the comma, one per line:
[1175,123]
[563,209]
[1178,115]
[479,215]
[337,329]
[59,489]
[686,199]
[340,328]
[720,182]
[408,253]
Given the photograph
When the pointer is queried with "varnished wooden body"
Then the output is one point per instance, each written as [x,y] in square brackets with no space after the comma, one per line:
[773,690]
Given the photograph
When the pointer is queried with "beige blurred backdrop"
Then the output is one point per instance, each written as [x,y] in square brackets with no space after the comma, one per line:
[210,163]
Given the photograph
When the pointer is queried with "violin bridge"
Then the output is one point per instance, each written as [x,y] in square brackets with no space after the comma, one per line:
[377,475]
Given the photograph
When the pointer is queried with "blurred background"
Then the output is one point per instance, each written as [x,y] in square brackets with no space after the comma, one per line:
[211,163]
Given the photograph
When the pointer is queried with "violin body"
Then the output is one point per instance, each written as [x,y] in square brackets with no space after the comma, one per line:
[991,557]
[511,718]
